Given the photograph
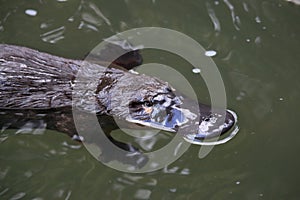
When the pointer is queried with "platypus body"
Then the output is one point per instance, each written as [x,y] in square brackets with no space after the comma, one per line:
[40,90]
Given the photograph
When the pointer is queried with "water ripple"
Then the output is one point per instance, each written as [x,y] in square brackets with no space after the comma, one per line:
[54,35]
[37,127]
[235,18]
[91,17]
[129,182]
[3,172]
[99,13]
[214,19]
[142,194]
[3,191]
[19,195]
[176,170]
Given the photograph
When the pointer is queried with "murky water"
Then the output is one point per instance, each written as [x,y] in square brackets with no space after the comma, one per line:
[256,46]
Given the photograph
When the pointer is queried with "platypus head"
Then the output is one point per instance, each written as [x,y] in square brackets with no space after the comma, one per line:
[149,102]
[166,111]
[161,111]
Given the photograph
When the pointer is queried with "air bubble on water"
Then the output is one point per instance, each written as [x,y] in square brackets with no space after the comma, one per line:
[210,53]
[172,189]
[71,19]
[196,71]
[257,19]
[31,12]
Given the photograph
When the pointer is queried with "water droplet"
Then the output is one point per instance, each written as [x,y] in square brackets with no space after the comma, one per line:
[31,12]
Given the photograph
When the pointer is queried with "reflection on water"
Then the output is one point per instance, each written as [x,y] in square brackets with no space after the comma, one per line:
[235,18]
[54,35]
[256,44]
[213,17]
[88,15]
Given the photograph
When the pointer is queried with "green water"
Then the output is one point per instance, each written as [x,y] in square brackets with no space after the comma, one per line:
[257,45]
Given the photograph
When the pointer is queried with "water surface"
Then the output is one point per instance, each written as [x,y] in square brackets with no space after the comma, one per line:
[257,46]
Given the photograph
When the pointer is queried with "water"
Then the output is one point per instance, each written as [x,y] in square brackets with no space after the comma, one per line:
[256,45]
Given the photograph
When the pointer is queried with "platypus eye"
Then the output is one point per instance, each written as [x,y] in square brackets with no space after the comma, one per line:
[148,103]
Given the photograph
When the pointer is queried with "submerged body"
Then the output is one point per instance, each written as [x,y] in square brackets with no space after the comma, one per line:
[41,89]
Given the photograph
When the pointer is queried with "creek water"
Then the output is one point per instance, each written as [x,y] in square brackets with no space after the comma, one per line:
[255,46]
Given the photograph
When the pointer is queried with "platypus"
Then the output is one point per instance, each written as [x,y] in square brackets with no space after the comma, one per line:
[38,89]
